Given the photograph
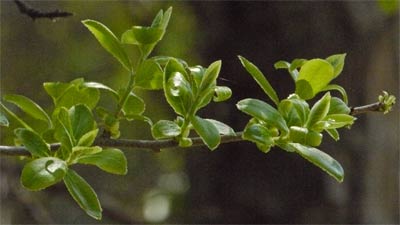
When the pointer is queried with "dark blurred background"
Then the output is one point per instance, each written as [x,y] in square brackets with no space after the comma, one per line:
[236,183]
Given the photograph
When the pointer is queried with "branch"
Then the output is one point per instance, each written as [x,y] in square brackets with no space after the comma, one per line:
[156,145]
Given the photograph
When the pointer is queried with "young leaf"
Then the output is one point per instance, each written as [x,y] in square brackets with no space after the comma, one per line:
[319,110]
[337,106]
[340,89]
[33,142]
[320,159]
[339,120]
[222,127]
[165,129]
[3,120]
[147,35]
[282,65]
[314,75]
[333,133]
[109,42]
[83,194]
[15,117]
[210,76]
[260,79]
[337,61]
[63,130]
[222,93]
[88,138]
[29,107]
[149,75]
[111,160]
[82,151]
[260,135]
[134,105]
[264,112]
[101,86]
[207,131]
[82,120]
[44,172]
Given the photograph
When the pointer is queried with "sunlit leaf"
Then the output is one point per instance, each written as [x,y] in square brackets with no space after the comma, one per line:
[29,107]
[222,127]
[33,142]
[337,106]
[260,79]
[109,42]
[333,133]
[260,135]
[165,129]
[320,159]
[337,61]
[101,86]
[222,93]
[44,172]
[83,194]
[88,138]
[3,120]
[319,110]
[149,76]
[207,131]
[210,76]
[111,160]
[82,120]
[134,105]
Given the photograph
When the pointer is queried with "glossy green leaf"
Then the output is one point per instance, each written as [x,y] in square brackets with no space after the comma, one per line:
[319,110]
[260,79]
[165,129]
[134,105]
[63,129]
[207,131]
[340,89]
[88,138]
[333,133]
[305,136]
[149,76]
[44,172]
[109,42]
[82,120]
[297,63]
[101,86]
[110,121]
[314,75]
[3,120]
[111,160]
[210,76]
[147,35]
[33,142]
[29,107]
[177,89]
[222,93]
[337,61]
[260,135]
[337,106]
[15,117]
[294,110]
[282,65]
[264,112]
[222,127]
[83,194]
[82,151]
[339,120]
[165,20]
[320,159]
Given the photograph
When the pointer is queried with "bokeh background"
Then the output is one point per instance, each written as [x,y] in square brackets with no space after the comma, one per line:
[236,183]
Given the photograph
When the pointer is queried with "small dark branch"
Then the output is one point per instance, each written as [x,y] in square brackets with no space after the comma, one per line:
[35,14]
[374,107]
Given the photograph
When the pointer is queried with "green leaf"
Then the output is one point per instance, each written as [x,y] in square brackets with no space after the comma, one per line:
[337,106]
[165,129]
[33,142]
[63,130]
[297,63]
[210,76]
[177,89]
[3,120]
[222,93]
[264,112]
[15,117]
[101,86]
[88,138]
[282,65]
[82,120]
[111,160]
[339,120]
[134,105]
[83,194]
[260,135]
[44,172]
[294,110]
[314,75]
[319,110]
[82,151]
[333,133]
[29,107]
[109,42]
[147,35]
[340,89]
[149,75]
[320,159]
[260,79]
[337,61]
[222,127]
[207,131]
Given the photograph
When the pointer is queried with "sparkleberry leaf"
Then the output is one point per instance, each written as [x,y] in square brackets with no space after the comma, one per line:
[264,112]
[340,89]
[314,76]
[33,142]
[83,194]
[337,106]
[333,133]
[222,93]
[29,107]
[43,172]
[3,120]
[337,61]
[101,86]
[207,131]
[319,110]
[165,129]
[82,120]
[13,116]
[320,159]
[259,134]
[260,79]
[109,42]
[111,160]
[88,138]
[210,76]
[63,130]
[134,105]
[149,75]
[222,127]
[82,151]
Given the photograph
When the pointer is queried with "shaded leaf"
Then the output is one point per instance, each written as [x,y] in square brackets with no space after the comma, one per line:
[222,93]
[165,129]
[134,105]
[260,135]
[88,138]
[101,86]
[222,127]
[33,142]
[207,131]
[111,160]
[82,121]
[149,76]
[3,120]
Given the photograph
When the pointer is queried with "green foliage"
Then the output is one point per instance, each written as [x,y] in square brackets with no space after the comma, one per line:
[76,120]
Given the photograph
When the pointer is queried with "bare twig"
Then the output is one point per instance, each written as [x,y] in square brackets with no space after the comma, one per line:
[156,145]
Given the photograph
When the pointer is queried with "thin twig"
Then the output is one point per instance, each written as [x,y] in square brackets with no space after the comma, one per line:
[156,145]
